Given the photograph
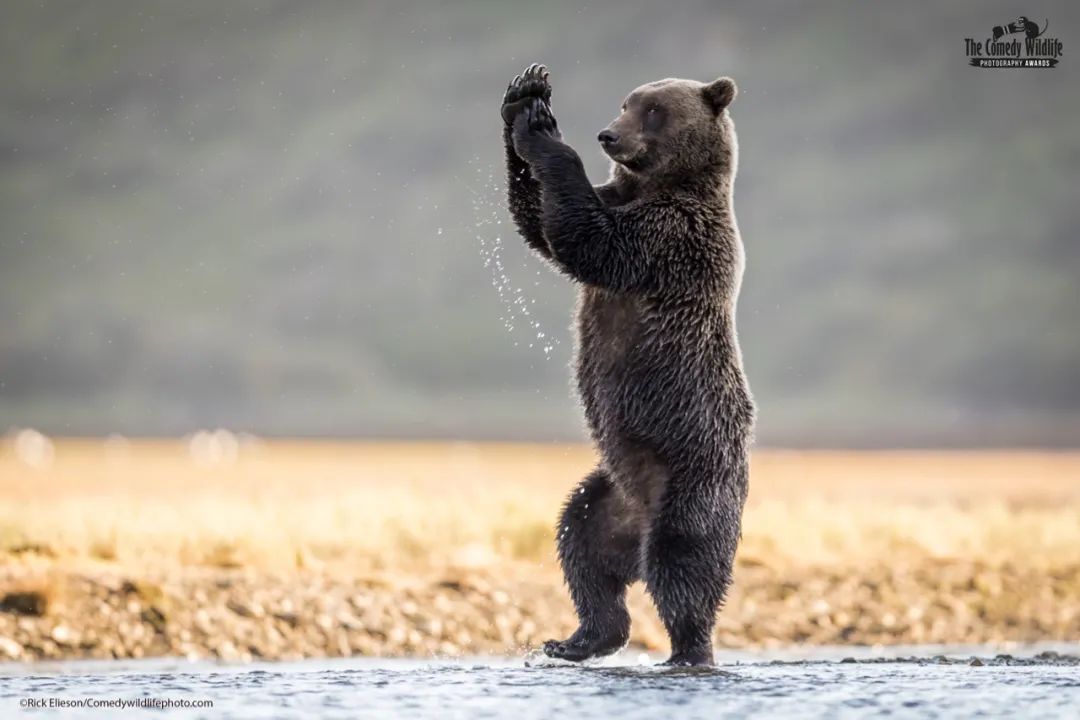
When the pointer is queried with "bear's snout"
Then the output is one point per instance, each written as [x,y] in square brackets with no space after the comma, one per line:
[608,137]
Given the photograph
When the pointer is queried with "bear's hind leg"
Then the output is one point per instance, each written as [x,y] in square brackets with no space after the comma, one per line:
[599,539]
[689,556]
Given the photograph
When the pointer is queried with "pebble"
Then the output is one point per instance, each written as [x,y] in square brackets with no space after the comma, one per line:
[10,649]
[61,635]
[237,615]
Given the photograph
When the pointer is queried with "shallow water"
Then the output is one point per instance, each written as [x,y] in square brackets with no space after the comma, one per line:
[823,683]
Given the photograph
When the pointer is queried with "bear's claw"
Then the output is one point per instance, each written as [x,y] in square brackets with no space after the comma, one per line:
[532,83]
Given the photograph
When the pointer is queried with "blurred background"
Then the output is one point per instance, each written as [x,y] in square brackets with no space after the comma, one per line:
[287,218]
[227,229]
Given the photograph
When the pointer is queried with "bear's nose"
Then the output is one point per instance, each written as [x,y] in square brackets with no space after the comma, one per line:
[608,137]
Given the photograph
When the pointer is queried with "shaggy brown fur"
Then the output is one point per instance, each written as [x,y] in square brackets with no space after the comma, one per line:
[658,257]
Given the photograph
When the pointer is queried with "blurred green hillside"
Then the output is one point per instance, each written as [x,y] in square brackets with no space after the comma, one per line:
[274,216]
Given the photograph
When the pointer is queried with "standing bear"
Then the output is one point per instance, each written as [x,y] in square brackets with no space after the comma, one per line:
[658,259]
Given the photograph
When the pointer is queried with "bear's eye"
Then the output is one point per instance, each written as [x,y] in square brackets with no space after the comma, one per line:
[654,118]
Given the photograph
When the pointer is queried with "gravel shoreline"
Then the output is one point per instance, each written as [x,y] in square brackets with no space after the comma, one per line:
[243,615]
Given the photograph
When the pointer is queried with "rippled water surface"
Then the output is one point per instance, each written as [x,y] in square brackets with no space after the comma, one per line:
[828,684]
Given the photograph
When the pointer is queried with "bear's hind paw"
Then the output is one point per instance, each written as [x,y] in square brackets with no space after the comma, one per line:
[695,658]
[577,648]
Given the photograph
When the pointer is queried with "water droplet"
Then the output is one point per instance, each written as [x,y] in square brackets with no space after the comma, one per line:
[510,293]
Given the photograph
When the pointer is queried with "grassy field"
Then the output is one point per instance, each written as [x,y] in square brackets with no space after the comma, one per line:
[837,534]
[410,506]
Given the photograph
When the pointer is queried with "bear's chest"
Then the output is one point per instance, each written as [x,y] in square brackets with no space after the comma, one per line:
[609,324]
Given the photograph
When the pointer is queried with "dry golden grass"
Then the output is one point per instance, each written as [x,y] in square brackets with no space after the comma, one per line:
[412,506]
[288,549]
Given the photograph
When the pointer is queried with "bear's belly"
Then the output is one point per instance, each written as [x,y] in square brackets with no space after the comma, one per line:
[611,329]
[652,383]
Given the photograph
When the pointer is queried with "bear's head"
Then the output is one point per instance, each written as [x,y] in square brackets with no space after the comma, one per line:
[672,129]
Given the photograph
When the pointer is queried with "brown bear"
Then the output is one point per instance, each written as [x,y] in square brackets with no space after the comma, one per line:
[657,255]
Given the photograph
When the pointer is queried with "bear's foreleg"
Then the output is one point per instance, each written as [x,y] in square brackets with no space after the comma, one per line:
[599,541]
[523,199]
[592,242]
[522,189]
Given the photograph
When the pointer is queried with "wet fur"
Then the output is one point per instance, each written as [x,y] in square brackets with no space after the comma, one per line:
[658,258]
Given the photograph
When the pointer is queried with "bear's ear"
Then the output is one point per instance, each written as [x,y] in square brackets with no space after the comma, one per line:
[719,93]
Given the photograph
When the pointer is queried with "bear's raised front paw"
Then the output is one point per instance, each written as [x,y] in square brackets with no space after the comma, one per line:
[535,131]
[541,120]
[535,118]
[533,83]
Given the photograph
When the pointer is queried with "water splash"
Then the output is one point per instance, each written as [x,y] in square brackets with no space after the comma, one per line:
[487,204]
